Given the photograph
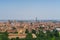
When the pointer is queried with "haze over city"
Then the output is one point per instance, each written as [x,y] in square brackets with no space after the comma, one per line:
[29,9]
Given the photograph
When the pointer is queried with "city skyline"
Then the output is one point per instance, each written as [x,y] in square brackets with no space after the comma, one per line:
[29,9]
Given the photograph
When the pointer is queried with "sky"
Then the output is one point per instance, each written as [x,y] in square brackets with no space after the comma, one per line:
[29,9]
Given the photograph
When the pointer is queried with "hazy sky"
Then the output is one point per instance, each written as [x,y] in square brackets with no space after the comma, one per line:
[29,9]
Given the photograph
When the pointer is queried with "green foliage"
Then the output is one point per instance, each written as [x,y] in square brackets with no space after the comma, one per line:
[29,36]
[41,34]
[34,31]
[50,34]
[27,31]
[13,39]
[4,35]
[56,33]
[1,36]
[17,38]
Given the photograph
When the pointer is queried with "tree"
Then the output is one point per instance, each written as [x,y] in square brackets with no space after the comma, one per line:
[40,36]
[5,36]
[1,36]
[17,38]
[27,31]
[48,33]
[33,31]
[13,39]
[29,36]
[56,33]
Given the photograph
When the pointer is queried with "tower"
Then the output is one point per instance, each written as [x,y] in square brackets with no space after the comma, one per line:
[36,19]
